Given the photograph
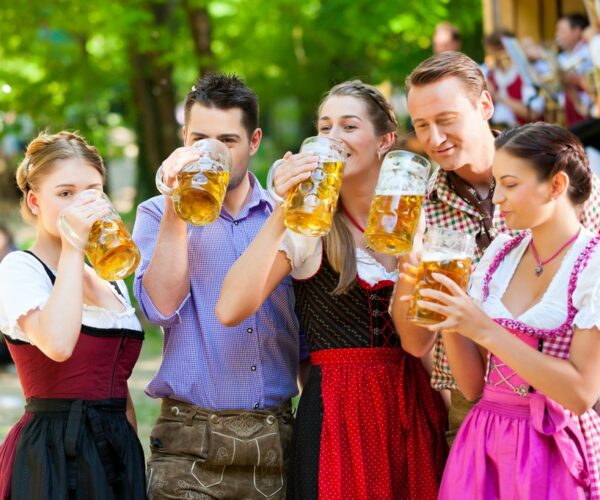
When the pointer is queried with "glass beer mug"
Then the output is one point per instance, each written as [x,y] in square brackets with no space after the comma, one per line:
[396,207]
[446,252]
[109,247]
[310,205]
[201,185]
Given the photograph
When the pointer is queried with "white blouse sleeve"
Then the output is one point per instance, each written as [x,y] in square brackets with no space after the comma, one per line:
[303,252]
[24,287]
[481,269]
[586,297]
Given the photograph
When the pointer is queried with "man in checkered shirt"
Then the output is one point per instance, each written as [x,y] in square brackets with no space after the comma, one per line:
[450,106]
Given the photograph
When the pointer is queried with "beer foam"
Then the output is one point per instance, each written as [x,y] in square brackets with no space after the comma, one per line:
[439,255]
[401,181]
[397,192]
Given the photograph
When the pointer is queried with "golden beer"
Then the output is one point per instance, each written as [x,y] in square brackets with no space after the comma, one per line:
[198,197]
[458,270]
[393,222]
[396,206]
[110,249]
[310,205]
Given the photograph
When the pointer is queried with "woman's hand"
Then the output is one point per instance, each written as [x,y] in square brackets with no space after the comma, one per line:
[176,161]
[407,278]
[461,312]
[293,169]
[87,208]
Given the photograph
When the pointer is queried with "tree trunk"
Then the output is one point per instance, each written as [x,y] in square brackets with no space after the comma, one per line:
[200,27]
[154,101]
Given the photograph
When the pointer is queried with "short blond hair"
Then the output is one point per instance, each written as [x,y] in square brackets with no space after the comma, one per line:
[446,65]
[39,160]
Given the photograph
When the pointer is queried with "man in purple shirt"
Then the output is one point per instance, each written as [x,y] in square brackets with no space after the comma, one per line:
[225,422]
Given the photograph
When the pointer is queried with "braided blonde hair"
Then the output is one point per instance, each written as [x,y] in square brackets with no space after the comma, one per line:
[39,160]
[339,243]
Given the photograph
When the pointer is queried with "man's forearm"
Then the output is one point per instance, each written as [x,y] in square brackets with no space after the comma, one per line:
[166,280]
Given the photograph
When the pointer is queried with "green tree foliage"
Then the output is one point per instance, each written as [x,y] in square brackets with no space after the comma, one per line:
[91,66]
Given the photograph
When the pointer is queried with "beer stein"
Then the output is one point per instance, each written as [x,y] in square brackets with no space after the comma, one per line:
[109,247]
[396,206]
[201,185]
[446,252]
[309,206]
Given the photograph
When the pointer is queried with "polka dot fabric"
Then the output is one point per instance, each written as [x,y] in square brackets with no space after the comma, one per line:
[384,440]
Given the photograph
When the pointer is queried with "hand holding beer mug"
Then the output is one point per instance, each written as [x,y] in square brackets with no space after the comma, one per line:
[396,207]
[446,252]
[309,206]
[108,247]
[201,184]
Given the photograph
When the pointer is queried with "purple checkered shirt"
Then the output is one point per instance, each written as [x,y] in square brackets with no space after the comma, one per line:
[250,366]
[444,208]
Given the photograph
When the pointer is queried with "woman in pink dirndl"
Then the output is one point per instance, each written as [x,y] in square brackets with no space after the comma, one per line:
[526,339]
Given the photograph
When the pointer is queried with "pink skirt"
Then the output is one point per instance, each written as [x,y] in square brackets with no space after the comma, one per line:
[513,447]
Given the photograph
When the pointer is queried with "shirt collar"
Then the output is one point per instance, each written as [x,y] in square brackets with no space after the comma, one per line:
[439,189]
[259,198]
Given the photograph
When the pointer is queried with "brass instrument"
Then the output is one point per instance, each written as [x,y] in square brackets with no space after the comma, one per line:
[592,78]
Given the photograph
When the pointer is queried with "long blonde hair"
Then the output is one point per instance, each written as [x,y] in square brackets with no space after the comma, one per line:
[339,243]
[39,160]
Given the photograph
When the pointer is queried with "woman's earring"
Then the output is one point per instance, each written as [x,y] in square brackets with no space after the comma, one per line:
[379,155]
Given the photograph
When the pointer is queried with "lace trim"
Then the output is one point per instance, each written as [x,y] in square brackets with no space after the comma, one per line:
[513,324]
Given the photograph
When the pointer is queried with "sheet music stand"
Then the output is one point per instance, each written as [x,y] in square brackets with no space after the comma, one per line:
[530,76]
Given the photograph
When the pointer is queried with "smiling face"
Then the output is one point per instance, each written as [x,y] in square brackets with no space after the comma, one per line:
[450,124]
[56,190]
[523,200]
[346,119]
[226,126]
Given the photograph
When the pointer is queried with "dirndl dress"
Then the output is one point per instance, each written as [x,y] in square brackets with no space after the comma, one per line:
[74,440]
[516,443]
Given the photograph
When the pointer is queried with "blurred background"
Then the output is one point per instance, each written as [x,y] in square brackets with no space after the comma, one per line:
[117,71]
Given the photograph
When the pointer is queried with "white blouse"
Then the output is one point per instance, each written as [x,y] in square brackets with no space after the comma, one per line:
[304,254]
[551,310]
[25,286]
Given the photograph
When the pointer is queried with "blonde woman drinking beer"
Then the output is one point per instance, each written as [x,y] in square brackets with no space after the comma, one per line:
[74,339]
[368,424]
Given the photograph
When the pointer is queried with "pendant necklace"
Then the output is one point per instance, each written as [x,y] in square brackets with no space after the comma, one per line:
[539,269]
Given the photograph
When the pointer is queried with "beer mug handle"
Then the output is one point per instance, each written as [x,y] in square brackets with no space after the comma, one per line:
[71,236]
[270,188]
[160,184]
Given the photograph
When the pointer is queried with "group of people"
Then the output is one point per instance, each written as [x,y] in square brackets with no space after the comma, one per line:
[251,312]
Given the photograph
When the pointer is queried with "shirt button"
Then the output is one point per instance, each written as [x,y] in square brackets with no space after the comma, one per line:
[236,222]
[256,406]
[249,330]
[253,368]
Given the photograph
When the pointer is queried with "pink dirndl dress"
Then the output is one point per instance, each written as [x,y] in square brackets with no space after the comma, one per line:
[516,443]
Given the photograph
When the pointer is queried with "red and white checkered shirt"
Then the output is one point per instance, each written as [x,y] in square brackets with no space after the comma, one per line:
[444,208]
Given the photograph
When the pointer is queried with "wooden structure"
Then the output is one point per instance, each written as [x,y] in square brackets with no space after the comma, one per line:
[528,18]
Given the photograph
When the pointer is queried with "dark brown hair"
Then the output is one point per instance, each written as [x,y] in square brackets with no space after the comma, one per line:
[446,65]
[551,149]
[217,90]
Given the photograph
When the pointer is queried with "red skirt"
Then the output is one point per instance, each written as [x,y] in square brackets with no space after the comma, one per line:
[383,426]
[7,454]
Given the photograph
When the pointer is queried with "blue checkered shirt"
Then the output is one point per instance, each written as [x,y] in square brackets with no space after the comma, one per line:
[250,366]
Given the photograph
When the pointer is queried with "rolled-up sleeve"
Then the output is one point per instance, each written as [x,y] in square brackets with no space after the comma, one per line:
[145,233]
